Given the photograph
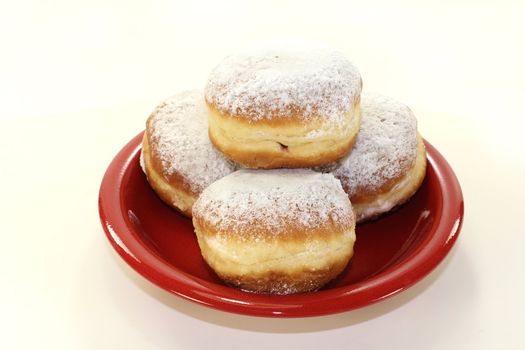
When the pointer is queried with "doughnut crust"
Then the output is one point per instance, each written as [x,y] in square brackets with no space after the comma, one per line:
[277,231]
[284,108]
[388,162]
[177,155]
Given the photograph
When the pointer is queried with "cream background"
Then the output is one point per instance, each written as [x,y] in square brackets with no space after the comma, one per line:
[78,79]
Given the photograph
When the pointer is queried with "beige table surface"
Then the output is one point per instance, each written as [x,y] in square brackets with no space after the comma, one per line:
[79,78]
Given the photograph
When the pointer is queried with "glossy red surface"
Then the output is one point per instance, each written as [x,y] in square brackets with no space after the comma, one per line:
[391,253]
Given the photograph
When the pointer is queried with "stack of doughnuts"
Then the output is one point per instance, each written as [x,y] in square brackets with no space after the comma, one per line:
[277,160]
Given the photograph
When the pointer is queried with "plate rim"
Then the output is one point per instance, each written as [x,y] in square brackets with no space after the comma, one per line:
[391,281]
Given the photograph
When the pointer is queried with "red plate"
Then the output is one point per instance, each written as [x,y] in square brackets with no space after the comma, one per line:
[391,254]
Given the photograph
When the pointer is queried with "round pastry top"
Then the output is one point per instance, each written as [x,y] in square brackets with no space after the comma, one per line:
[386,146]
[297,82]
[257,204]
[177,133]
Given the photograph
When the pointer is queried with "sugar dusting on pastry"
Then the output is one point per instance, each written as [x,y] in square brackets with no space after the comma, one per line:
[386,145]
[270,200]
[266,83]
[179,128]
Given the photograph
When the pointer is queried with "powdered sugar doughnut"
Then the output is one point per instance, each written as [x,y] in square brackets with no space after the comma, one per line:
[276,231]
[388,162]
[177,155]
[292,107]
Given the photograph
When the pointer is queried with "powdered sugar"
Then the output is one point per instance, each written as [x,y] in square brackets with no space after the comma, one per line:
[385,146]
[277,83]
[179,128]
[272,200]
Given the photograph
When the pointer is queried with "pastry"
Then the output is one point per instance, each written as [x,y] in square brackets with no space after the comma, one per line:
[177,155]
[284,108]
[278,231]
[388,161]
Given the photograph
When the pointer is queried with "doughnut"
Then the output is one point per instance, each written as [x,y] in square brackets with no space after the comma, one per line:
[388,161]
[277,231]
[284,108]
[177,155]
